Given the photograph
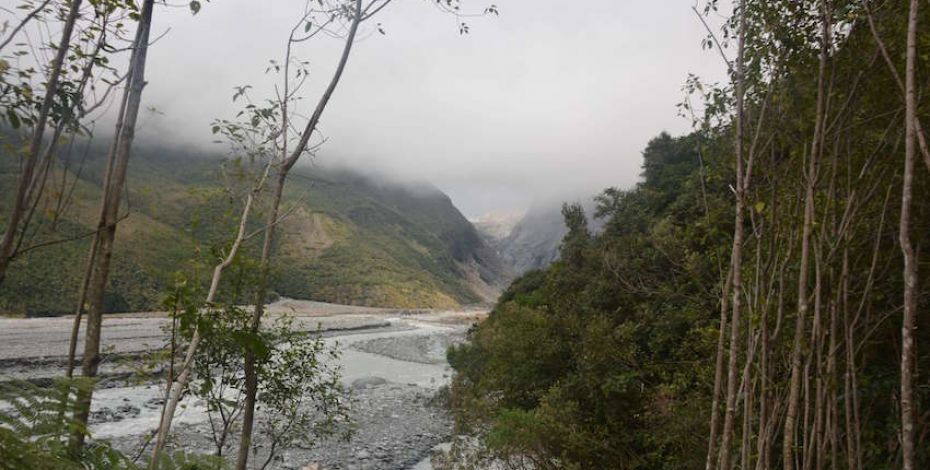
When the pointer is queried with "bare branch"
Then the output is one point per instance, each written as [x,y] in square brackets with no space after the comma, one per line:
[32,14]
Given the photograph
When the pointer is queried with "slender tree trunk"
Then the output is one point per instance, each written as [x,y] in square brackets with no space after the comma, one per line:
[106,227]
[176,389]
[775,338]
[789,437]
[85,279]
[851,448]
[736,259]
[811,456]
[918,127]
[250,370]
[92,254]
[29,17]
[763,386]
[250,366]
[79,311]
[70,115]
[909,323]
[806,401]
[718,373]
[854,458]
[747,388]
[832,389]
[24,182]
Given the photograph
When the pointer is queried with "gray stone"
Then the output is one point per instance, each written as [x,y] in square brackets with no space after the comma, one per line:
[368,382]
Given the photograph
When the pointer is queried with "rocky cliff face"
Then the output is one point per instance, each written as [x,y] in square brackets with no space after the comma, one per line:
[496,226]
[533,241]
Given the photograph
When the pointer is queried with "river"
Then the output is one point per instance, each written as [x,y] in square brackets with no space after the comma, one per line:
[392,363]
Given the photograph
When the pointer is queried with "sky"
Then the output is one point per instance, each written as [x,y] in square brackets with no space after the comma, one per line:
[551,100]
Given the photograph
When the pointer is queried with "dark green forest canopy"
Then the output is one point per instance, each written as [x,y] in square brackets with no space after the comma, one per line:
[586,360]
[606,359]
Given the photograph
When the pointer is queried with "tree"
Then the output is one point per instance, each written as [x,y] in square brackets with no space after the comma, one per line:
[31,159]
[909,322]
[178,384]
[808,371]
[353,13]
[77,90]
[102,244]
[804,270]
[736,261]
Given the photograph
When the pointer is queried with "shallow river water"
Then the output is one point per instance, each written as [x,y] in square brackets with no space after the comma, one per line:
[391,365]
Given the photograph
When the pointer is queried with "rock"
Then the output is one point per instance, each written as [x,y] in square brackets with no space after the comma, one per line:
[154,403]
[128,410]
[368,382]
[395,423]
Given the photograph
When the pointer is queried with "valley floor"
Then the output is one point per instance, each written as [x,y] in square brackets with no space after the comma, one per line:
[393,364]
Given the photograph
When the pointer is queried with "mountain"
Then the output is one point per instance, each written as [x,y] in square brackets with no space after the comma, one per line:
[495,226]
[534,240]
[347,238]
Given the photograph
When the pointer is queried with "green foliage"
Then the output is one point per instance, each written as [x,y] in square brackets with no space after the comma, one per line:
[300,396]
[588,363]
[25,62]
[633,311]
[36,424]
[345,238]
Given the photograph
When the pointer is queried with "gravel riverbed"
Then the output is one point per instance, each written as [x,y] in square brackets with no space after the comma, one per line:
[393,369]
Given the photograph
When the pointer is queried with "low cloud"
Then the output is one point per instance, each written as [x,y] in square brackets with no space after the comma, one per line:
[549,100]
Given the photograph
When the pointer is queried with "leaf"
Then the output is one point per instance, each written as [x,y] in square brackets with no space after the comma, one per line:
[14,119]
[195,7]
[760,206]
[251,342]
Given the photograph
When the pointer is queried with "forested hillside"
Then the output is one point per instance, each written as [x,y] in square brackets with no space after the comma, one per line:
[597,359]
[346,238]
[759,300]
